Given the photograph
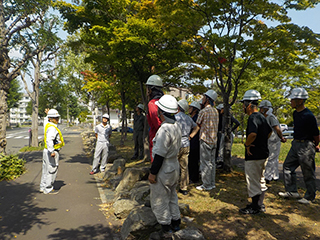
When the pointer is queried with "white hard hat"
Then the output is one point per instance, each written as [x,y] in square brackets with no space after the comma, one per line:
[220,106]
[251,95]
[53,113]
[105,115]
[167,103]
[154,80]
[211,94]
[183,104]
[298,93]
[196,105]
[265,104]
[140,106]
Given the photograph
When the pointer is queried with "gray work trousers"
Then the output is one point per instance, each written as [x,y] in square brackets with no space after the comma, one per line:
[100,153]
[163,194]
[301,154]
[138,145]
[207,164]
[221,147]
[272,167]
[49,170]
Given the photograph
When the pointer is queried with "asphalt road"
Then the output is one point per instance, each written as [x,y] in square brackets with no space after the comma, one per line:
[18,138]
[74,213]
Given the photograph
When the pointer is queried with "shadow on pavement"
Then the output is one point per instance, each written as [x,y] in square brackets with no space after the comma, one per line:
[80,158]
[19,214]
[31,156]
[93,232]
[58,184]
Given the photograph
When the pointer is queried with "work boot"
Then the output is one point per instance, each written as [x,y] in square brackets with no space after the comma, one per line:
[166,232]
[175,225]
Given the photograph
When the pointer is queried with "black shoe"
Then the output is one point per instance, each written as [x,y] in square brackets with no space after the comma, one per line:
[184,192]
[141,157]
[175,225]
[249,210]
[267,181]
[262,208]
[220,165]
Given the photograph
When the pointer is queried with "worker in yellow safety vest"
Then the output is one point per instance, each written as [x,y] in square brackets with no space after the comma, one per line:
[53,141]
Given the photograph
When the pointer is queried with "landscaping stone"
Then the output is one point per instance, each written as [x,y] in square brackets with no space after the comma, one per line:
[130,177]
[123,207]
[188,234]
[140,222]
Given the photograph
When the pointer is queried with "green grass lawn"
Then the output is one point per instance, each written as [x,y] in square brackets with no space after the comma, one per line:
[238,150]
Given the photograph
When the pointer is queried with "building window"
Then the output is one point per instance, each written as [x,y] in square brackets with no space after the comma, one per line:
[21,114]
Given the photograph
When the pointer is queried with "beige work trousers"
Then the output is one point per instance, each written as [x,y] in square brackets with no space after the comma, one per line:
[184,172]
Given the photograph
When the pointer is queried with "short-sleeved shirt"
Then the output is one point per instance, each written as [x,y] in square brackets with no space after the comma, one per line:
[186,123]
[103,132]
[258,124]
[167,141]
[273,121]
[305,125]
[208,120]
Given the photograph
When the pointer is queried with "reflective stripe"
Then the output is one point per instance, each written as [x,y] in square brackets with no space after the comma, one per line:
[56,146]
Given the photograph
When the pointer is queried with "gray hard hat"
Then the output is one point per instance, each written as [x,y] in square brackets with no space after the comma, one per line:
[154,80]
[265,104]
[141,106]
[251,95]
[183,104]
[298,93]
[196,105]
[211,94]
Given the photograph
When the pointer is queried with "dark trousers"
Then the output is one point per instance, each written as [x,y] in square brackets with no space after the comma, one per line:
[138,144]
[193,164]
[301,154]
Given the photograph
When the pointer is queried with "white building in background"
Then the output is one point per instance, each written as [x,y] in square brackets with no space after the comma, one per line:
[19,115]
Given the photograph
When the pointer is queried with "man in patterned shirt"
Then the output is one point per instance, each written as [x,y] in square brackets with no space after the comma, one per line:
[207,122]
[186,123]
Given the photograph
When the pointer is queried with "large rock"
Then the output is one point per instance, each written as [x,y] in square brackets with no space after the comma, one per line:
[121,162]
[140,222]
[188,234]
[123,207]
[184,208]
[184,234]
[112,156]
[130,177]
[140,191]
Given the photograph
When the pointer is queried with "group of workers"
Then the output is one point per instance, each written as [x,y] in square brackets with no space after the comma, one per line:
[181,136]
[262,148]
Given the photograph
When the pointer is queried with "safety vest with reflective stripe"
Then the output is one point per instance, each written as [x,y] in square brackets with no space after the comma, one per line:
[58,145]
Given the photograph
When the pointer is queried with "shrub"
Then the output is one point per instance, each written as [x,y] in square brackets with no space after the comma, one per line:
[11,167]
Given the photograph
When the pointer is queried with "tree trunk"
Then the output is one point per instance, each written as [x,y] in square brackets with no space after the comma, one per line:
[124,118]
[146,126]
[3,117]
[227,137]
[35,104]
[4,81]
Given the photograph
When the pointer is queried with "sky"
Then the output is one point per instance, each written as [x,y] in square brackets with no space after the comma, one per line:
[309,18]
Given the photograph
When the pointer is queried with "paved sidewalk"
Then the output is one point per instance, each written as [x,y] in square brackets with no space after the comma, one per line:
[73,213]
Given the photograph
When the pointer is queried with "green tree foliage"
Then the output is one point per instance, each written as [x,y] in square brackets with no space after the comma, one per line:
[15,17]
[11,167]
[235,47]
[14,94]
